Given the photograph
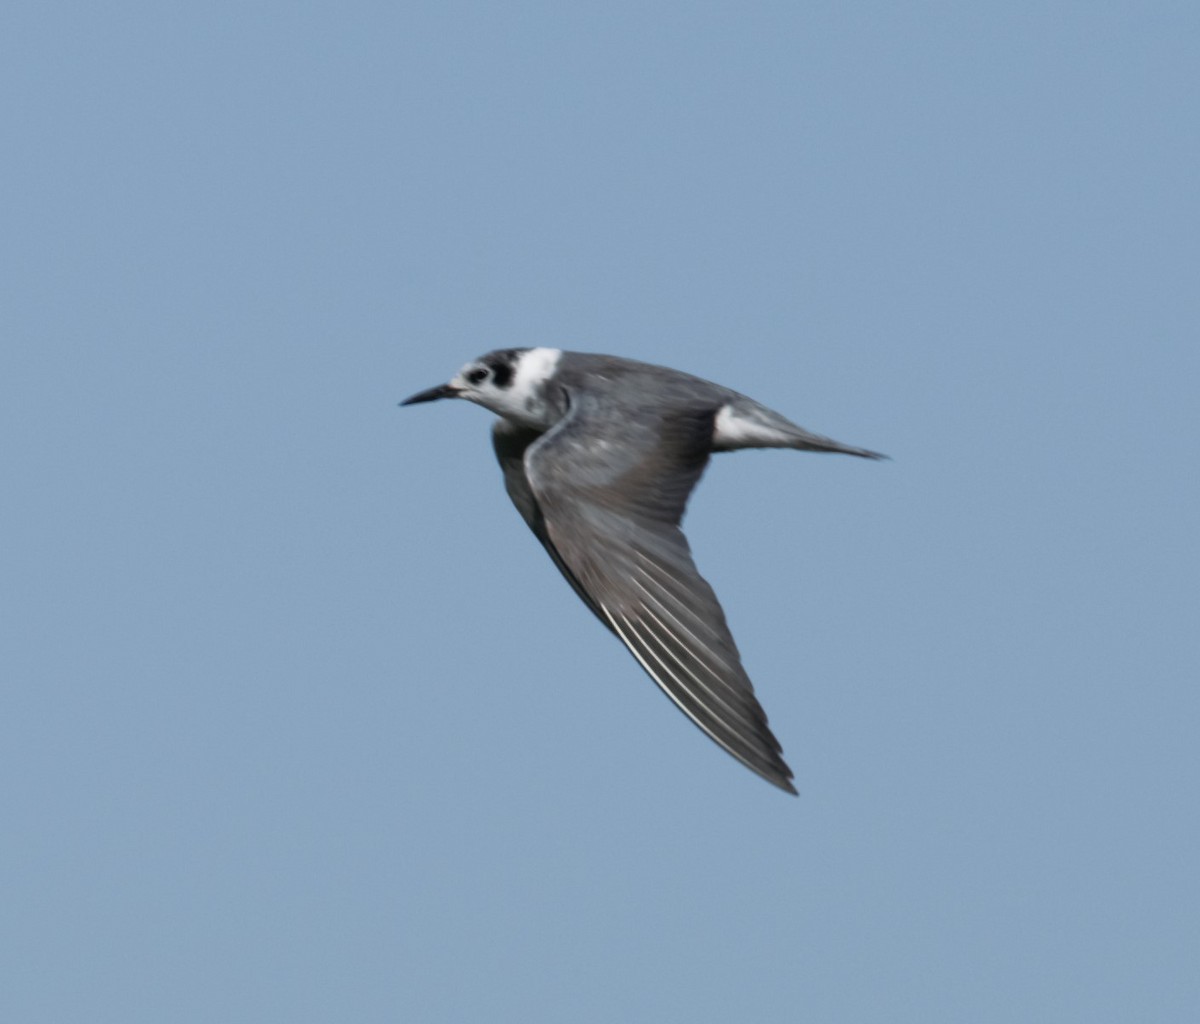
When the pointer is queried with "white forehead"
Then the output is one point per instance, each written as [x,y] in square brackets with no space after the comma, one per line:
[534,367]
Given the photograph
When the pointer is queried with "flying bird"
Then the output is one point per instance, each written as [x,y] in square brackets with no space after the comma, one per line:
[600,455]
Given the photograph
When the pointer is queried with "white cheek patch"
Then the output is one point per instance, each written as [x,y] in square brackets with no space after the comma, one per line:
[520,398]
[534,368]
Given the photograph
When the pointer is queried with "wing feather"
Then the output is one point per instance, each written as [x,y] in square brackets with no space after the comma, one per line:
[510,444]
[608,513]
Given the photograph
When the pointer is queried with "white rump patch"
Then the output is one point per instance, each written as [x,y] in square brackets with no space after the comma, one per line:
[733,429]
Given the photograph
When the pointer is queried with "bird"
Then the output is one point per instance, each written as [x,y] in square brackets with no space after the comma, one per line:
[600,455]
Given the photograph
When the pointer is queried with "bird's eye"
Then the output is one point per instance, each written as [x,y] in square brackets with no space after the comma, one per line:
[477,375]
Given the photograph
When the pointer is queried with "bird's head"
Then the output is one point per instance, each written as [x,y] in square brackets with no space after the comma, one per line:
[510,382]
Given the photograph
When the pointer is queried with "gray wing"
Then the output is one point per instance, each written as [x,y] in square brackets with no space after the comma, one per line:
[605,494]
[511,443]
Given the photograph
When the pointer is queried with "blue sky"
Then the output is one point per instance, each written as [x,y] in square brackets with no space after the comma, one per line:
[300,724]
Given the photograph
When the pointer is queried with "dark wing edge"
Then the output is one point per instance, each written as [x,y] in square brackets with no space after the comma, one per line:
[668,617]
[510,443]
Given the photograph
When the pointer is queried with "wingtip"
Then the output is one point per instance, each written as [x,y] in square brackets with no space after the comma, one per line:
[776,771]
[783,782]
[866,453]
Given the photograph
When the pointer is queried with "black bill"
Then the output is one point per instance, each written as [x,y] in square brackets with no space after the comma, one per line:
[431,394]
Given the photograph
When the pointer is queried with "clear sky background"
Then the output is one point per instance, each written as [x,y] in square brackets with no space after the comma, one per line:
[298,721]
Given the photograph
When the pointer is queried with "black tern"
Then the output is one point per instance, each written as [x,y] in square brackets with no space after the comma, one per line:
[600,455]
